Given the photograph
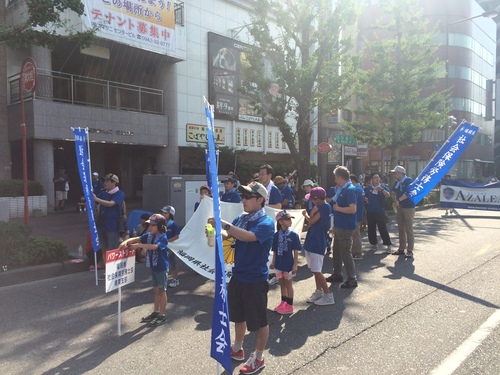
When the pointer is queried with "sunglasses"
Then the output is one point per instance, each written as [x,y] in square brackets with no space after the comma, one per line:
[248,196]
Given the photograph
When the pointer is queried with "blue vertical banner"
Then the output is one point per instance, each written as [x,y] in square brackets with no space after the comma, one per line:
[220,348]
[207,168]
[442,162]
[83,161]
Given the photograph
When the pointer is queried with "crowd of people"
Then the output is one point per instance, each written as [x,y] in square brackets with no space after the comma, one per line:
[336,215]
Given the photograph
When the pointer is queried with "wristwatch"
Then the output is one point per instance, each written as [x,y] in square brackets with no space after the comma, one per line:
[227,226]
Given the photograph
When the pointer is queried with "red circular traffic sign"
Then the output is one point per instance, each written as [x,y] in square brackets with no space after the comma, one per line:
[29,75]
[324,148]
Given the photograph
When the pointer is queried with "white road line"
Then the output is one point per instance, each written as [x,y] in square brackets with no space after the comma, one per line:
[460,354]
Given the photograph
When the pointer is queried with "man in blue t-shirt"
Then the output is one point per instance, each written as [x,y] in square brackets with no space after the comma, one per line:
[110,208]
[230,195]
[274,198]
[344,222]
[253,234]
[405,212]
[360,208]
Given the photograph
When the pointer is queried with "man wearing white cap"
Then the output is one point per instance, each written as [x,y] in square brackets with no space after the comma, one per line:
[97,185]
[307,187]
[405,212]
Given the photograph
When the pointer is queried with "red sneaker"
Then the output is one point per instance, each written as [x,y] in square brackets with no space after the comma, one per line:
[252,365]
[238,356]
[280,306]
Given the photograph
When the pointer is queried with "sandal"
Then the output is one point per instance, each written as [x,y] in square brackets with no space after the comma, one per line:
[398,252]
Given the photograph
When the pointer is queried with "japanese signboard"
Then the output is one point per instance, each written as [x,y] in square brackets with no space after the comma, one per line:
[225,76]
[148,25]
[344,139]
[120,268]
[29,75]
[198,133]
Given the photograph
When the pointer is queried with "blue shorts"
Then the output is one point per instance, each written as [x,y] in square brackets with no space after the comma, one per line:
[159,279]
[172,259]
[108,240]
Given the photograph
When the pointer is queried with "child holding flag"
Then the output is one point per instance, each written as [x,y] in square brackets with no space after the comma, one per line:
[286,245]
[155,242]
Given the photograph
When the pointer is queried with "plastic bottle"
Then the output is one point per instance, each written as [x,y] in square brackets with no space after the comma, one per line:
[80,251]
[210,235]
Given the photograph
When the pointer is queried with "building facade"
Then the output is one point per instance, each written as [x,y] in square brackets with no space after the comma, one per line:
[139,90]
[467,41]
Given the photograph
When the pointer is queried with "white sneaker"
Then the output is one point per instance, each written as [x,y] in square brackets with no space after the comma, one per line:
[274,280]
[318,294]
[327,299]
[173,283]
[374,247]
[388,249]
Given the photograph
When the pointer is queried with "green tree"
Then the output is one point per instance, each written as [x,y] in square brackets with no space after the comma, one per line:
[397,93]
[304,52]
[42,23]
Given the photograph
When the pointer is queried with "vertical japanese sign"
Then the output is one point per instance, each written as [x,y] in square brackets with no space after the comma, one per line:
[442,162]
[148,25]
[220,348]
[120,268]
[83,161]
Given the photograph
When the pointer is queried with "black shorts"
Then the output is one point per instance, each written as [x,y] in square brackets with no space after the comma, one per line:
[247,302]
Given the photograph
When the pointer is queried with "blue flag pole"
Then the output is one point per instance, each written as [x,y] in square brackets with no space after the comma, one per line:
[83,161]
[442,162]
[220,348]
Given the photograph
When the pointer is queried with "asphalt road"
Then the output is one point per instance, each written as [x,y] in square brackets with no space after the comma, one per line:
[406,317]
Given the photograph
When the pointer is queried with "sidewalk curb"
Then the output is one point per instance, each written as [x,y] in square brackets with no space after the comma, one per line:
[44,271]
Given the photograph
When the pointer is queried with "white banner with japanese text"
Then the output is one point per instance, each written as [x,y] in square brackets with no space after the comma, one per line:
[148,25]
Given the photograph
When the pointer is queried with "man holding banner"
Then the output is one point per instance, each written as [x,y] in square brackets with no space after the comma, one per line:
[110,207]
[253,234]
[405,212]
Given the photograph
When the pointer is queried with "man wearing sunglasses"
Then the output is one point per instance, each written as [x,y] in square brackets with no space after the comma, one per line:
[253,233]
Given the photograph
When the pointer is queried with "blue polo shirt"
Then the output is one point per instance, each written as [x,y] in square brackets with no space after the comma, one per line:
[275,196]
[287,193]
[250,258]
[347,196]
[376,202]
[284,262]
[317,233]
[360,202]
[401,189]
[172,229]
[110,214]
[231,196]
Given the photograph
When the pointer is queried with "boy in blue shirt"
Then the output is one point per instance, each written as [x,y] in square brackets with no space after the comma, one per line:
[155,242]
[315,244]
[230,195]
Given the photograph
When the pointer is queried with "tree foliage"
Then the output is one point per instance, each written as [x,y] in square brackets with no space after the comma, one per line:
[397,96]
[304,51]
[41,22]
